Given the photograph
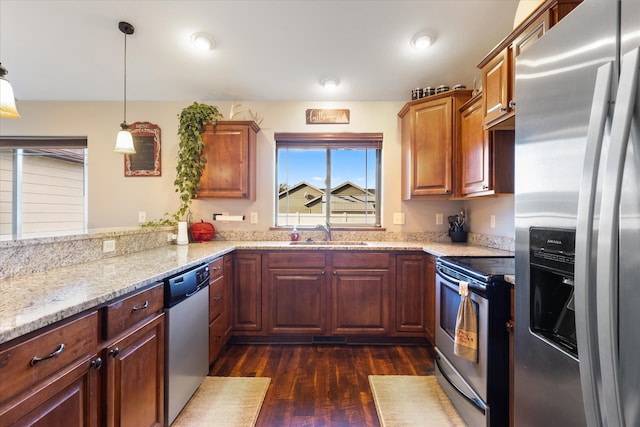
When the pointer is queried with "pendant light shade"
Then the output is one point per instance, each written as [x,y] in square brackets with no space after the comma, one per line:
[7,100]
[124,140]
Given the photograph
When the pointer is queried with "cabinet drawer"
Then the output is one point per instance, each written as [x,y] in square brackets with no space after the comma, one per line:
[20,368]
[216,338]
[216,299]
[216,269]
[128,311]
[360,260]
[296,259]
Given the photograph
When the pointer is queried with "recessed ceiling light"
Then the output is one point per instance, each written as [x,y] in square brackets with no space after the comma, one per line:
[329,83]
[422,41]
[203,41]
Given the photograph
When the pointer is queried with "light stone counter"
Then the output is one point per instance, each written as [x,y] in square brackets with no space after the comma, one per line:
[32,301]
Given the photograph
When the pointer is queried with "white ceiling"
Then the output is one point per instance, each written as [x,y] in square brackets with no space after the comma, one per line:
[266,50]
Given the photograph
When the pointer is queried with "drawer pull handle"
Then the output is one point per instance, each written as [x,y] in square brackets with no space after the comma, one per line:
[217,298]
[140,307]
[115,352]
[217,268]
[56,353]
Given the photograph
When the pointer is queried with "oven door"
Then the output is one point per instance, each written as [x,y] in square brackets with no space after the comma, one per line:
[447,304]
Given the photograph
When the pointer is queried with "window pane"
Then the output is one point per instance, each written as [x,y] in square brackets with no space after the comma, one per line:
[42,192]
[353,183]
[301,186]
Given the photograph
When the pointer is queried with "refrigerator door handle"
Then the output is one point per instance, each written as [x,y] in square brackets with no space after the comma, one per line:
[586,322]
[608,239]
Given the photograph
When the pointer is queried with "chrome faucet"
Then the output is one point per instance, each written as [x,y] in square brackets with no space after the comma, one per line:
[327,230]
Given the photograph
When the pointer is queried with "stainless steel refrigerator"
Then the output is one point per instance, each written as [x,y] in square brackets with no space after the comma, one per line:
[577,207]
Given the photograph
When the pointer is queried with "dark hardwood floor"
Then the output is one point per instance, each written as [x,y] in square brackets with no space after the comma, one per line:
[320,385]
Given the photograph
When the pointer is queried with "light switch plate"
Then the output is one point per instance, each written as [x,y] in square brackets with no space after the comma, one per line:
[399,218]
[439,218]
[493,221]
[142,216]
[254,217]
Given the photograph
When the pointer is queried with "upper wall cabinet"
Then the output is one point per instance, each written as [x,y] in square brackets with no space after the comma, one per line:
[485,156]
[498,67]
[430,128]
[230,150]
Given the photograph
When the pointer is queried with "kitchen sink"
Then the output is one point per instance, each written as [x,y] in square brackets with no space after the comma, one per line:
[327,243]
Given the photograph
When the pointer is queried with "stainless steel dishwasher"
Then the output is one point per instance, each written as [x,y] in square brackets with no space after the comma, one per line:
[187,337]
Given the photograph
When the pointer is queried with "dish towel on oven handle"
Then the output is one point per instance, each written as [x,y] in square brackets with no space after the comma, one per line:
[466,340]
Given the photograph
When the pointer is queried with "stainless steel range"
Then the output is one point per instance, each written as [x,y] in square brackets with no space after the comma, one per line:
[479,387]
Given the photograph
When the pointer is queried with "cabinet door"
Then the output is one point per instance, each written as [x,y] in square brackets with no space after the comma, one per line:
[247,292]
[69,398]
[474,150]
[297,301]
[230,150]
[411,286]
[431,299]
[431,151]
[134,375]
[360,301]
[227,283]
[496,88]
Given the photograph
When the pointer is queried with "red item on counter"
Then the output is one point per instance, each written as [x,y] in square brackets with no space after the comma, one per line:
[202,231]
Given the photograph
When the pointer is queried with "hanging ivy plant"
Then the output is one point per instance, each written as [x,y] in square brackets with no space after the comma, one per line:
[190,158]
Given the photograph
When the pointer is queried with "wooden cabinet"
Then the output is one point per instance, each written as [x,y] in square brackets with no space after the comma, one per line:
[498,67]
[134,360]
[431,299]
[411,293]
[230,150]
[134,377]
[220,304]
[430,127]
[247,292]
[486,162]
[296,289]
[52,377]
[360,293]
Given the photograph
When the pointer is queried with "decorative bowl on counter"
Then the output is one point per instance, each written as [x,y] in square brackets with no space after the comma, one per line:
[202,231]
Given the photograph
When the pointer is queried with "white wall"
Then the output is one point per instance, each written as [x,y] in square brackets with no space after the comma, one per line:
[114,201]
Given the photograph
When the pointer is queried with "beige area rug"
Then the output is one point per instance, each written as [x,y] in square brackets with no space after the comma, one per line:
[410,400]
[224,401]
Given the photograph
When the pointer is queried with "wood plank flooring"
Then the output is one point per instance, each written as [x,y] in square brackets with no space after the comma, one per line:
[320,385]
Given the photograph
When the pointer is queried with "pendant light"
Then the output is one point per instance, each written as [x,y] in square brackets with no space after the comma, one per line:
[7,100]
[124,141]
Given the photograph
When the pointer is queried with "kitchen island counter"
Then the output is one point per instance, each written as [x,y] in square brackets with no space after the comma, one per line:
[32,301]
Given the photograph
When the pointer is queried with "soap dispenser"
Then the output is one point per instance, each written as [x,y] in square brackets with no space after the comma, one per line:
[294,234]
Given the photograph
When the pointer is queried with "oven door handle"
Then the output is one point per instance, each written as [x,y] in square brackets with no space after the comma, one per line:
[474,401]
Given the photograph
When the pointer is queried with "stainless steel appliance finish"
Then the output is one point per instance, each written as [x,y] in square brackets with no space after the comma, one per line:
[479,390]
[577,172]
[187,337]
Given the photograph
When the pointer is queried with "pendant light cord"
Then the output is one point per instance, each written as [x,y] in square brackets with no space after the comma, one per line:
[125,79]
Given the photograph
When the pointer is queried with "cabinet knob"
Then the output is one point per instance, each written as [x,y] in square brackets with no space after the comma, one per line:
[115,352]
[509,325]
[97,364]
[512,104]
[485,187]
[217,298]
[335,273]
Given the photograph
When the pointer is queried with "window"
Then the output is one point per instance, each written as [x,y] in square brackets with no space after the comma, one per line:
[328,178]
[42,186]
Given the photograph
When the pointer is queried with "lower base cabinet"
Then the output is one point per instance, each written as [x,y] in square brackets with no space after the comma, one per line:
[68,398]
[134,377]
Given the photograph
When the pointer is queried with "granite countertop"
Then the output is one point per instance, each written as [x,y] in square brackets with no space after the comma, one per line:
[36,300]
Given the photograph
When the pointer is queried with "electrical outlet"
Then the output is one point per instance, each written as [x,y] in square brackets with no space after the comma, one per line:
[254,217]
[142,217]
[108,246]
[398,218]
[493,221]
[439,219]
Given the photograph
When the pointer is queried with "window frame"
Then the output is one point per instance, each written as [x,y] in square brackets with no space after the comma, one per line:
[327,141]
